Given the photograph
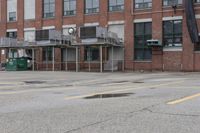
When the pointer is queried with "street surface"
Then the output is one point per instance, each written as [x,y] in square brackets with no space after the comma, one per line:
[69,102]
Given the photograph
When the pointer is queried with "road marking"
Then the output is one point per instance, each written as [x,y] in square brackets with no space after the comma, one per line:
[128,88]
[39,90]
[184,99]
[6,83]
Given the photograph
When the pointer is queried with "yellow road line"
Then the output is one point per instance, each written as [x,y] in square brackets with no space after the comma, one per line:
[128,88]
[184,99]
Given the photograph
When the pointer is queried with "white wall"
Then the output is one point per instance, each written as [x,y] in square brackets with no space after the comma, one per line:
[11,7]
[29,9]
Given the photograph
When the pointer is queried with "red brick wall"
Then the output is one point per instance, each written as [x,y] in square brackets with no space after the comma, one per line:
[170,60]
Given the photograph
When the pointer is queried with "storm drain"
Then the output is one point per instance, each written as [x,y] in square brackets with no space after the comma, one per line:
[34,82]
[109,95]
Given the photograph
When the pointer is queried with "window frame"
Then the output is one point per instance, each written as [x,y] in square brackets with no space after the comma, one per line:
[14,18]
[143,3]
[93,10]
[144,36]
[12,34]
[168,1]
[172,35]
[49,14]
[117,7]
[70,12]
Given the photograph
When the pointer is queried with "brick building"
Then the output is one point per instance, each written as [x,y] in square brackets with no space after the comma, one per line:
[135,21]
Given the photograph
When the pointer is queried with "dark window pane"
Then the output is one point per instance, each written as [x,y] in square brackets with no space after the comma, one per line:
[143,32]
[147,54]
[168,27]
[148,28]
[139,29]
[172,33]
[177,27]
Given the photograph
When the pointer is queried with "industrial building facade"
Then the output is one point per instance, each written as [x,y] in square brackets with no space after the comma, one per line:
[134,21]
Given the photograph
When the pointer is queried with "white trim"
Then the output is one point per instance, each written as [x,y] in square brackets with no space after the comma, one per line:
[115,22]
[172,49]
[91,24]
[172,18]
[68,26]
[197,16]
[11,30]
[142,20]
[48,27]
[29,29]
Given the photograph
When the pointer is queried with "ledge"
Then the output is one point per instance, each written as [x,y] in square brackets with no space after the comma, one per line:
[172,49]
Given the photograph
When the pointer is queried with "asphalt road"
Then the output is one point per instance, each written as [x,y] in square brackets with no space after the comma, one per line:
[69,102]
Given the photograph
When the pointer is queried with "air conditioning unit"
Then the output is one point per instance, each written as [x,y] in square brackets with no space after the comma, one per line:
[154,42]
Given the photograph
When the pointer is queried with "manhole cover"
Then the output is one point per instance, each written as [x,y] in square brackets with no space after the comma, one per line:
[34,82]
[109,95]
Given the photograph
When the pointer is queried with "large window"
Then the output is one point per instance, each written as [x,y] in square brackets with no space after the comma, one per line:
[48,8]
[69,7]
[91,6]
[91,54]
[11,10]
[141,4]
[116,5]
[143,32]
[172,33]
[47,54]
[29,9]
[172,2]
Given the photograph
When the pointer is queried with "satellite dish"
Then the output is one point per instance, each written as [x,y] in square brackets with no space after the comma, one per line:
[71,31]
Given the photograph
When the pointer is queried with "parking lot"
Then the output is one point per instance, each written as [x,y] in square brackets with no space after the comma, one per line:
[70,102]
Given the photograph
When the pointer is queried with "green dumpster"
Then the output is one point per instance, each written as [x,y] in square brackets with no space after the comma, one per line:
[17,64]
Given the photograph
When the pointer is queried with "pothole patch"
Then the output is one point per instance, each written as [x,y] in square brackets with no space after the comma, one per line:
[34,82]
[138,82]
[101,96]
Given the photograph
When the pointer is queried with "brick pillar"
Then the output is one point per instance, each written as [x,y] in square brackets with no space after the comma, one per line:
[38,13]
[80,22]
[20,19]
[157,54]
[103,19]
[3,26]
[38,25]
[188,48]
[128,41]
[3,17]
[58,26]
[59,14]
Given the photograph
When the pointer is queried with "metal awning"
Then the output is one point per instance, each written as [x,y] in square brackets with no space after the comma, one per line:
[99,42]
